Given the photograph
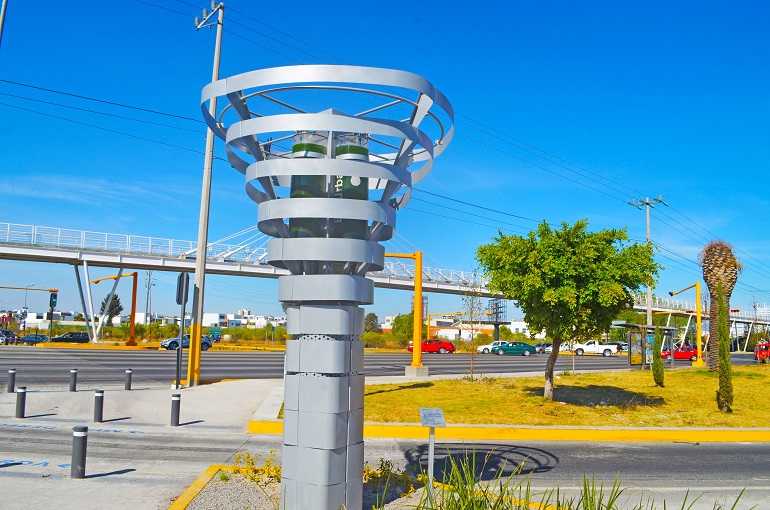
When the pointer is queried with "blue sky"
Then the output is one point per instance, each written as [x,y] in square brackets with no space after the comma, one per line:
[565,111]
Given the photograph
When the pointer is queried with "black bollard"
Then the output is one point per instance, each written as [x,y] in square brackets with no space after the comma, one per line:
[176,401]
[11,380]
[129,372]
[79,445]
[74,379]
[21,401]
[98,406]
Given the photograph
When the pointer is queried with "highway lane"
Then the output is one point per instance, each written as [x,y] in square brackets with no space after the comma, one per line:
[50,367]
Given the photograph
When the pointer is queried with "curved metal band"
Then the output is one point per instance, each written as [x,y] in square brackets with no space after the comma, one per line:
[370,253]
[282,169]
[326,288]
[344,208]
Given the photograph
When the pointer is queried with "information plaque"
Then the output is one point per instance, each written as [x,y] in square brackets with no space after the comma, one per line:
[432,417]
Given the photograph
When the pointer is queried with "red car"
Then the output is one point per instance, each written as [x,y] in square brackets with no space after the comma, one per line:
[762,352]
[434,345]
[684,352]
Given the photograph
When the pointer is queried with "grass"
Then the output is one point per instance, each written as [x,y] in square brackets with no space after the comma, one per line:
[627,399]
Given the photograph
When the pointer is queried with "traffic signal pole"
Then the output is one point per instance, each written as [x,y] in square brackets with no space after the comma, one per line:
[416,368]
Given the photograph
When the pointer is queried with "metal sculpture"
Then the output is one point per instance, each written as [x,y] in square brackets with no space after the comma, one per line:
[329,153]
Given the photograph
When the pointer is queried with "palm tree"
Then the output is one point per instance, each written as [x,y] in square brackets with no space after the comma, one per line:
[720,267]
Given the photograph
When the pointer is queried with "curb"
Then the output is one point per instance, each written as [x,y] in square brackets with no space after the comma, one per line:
[197,486]
[509,433]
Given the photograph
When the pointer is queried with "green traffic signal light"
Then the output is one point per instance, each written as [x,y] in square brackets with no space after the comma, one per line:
[52,302]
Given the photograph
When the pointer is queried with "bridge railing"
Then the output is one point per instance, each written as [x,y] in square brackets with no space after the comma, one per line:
[664,303]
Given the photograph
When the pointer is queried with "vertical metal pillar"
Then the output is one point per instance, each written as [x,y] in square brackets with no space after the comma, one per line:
[132,327]
[196,324]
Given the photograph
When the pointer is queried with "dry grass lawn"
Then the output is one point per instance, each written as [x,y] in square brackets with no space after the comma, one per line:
[627,398]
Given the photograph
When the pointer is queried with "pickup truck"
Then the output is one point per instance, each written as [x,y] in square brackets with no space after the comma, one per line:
[594,347]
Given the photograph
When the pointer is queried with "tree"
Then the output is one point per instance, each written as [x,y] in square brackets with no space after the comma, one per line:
[80,317]
[473,312]
[569,282]
[658,372]
[720,268]
[725,391]
[371,323]
[403,327]
[115,308]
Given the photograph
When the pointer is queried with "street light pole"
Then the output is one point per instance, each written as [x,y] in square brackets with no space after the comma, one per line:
[196,325]
[647,203]
[25,294]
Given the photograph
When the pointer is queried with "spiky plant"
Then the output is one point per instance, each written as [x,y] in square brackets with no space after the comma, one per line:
[725,391]
[720,268]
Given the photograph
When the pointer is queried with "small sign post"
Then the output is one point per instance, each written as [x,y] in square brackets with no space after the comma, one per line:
[182,287]
[431,417]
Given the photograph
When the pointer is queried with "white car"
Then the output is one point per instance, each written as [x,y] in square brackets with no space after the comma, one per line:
[486,349]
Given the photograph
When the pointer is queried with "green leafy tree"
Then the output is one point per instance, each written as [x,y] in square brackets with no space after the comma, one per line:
[140,330]
[403,327]
[153,331]
[372,323]
[80,317]
[569,282]
[725,391]
[506,333]
[169,331]
[115,308]
[658,372]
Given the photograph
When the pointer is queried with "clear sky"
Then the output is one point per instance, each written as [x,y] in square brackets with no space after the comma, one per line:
[566,110]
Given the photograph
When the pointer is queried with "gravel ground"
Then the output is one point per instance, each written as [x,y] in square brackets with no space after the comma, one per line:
[238,493]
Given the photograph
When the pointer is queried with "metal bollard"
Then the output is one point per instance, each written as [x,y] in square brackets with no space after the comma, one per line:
[11,380]
[129,372]
[79,445]
[176,401]
[98,406]
[74,379]
[21,401]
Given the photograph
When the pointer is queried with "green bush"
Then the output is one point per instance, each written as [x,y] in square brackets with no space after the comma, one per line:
[658,372]
[372,339]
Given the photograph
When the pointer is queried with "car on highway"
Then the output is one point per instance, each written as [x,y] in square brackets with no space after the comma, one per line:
[173,343]
[486,349]
[684,352]
[516,348]
[434,345]
[542,346]
[34,338]
[79,337]
[8,337]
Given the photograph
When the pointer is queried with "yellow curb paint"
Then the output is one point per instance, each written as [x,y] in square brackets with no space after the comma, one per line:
[470,433]
[197,486]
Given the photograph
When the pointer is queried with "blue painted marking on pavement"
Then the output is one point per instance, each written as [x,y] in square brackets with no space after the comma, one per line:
[28,426]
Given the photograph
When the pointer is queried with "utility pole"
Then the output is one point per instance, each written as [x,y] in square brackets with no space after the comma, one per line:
[148,284]
[196,325]
[647,202]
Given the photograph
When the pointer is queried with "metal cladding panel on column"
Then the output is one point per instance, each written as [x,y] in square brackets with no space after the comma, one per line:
[356,426]
[356,391]
[354,497]
[325,320]
[323,430]
[291,391]
[323,355]
[356,251]
[321,497]
[321,466]
[323,394]
[326,288]
[355,464]
[290,426]
[289,462]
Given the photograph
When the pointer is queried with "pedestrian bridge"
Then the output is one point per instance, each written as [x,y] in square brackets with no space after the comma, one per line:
[100,249]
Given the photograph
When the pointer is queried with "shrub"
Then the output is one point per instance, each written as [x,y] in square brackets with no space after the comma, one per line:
[658,371]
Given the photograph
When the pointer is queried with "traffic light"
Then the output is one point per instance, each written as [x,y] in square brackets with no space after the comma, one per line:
[52,302]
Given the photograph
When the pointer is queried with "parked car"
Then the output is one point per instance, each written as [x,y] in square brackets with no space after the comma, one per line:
[434,345]
[594,347]
[762,352]
[173,343]
[684,352]
[78,337]
[8,337]
[34,338]
[542,346]
[486,349]
[519,348]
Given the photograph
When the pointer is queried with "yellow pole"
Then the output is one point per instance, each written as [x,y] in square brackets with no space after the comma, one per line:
[698,328]
[417,334]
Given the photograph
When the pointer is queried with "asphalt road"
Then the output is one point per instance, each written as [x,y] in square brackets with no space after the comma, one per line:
[50,367]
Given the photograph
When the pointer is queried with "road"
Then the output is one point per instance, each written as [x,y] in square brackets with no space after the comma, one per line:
[50,367]
[164,463]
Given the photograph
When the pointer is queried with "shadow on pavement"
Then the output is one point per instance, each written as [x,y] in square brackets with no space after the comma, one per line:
[39,415]
[116,419]
[491,461]
[191,422]
[604,395]
[119,472]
